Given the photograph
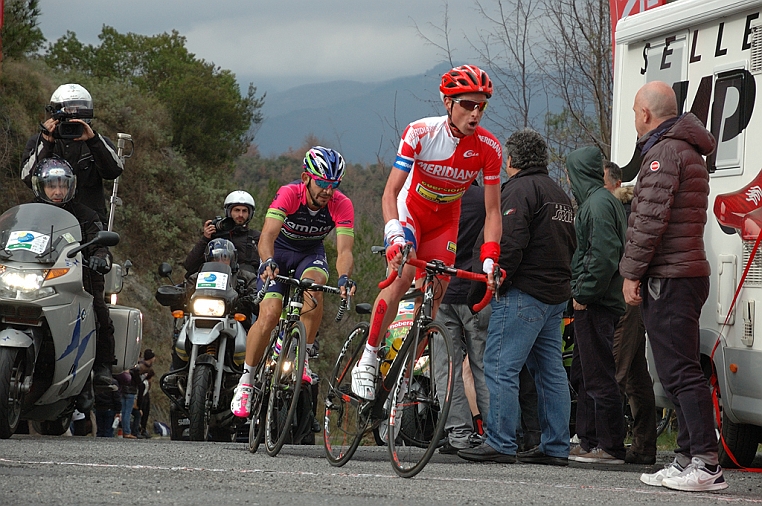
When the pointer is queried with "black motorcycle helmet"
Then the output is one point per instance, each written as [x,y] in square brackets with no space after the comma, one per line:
[53,181]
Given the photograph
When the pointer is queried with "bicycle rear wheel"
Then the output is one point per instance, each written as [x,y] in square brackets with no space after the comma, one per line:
[419,411]
[344,424]
[284,388]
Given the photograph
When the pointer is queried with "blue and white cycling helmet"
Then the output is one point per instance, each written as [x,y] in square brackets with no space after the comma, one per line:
[324,163]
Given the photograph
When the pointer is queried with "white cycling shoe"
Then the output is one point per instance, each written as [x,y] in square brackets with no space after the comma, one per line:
[364,381]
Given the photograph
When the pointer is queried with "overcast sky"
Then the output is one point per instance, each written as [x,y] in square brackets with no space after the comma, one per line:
[279,44]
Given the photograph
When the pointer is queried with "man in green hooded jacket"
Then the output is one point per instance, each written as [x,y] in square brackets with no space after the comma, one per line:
[598,302]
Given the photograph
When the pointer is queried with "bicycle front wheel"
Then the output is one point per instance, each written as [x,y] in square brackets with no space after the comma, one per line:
[344,423]
[284,389]
[421,400]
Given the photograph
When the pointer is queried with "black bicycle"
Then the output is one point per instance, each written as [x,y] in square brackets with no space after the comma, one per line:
[415,416]
[278,375]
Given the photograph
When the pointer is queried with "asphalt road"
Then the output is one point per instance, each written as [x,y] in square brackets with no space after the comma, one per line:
[79,470]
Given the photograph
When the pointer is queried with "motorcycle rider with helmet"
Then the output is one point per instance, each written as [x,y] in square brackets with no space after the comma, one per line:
[239,206]
[92,156]
[53,182]
[299,218]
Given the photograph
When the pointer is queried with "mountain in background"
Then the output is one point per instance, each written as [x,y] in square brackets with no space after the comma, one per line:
[363,121]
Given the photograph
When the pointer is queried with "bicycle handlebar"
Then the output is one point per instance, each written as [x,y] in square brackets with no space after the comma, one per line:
[307,285]
[439,268]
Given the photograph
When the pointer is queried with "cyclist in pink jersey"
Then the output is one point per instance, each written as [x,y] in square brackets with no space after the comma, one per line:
[299,218]
[437,160]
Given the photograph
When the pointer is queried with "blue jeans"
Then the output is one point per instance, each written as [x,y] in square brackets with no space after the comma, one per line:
[525,330]
[127,401]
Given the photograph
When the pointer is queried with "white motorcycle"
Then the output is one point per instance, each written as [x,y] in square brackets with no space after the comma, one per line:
[47,322]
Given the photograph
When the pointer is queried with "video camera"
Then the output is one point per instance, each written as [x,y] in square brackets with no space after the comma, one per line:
[66,128]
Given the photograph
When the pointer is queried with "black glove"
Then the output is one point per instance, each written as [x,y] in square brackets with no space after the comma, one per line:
[346,282]
[100,265]
[267,263]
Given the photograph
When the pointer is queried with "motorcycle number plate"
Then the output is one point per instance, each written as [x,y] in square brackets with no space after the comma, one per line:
[216,280]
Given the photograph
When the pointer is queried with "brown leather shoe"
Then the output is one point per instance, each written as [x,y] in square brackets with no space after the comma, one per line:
[129,436]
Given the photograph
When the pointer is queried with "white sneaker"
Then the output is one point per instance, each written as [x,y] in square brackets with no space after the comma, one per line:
[241,400]
[670,470]
[696,478]
[364,381]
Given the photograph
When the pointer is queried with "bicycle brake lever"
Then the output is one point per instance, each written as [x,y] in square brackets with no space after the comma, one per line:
[496,276]
[405,253]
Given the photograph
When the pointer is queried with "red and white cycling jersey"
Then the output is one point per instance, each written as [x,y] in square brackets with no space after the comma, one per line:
[441,166]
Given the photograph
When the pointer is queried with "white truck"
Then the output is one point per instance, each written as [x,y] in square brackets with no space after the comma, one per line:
[710,52]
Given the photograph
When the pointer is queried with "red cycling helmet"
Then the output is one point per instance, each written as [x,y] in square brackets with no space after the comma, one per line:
[465,79]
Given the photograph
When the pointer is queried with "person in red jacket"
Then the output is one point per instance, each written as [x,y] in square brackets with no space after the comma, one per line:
[667,273]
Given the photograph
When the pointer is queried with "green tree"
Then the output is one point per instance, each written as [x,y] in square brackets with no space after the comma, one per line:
[21,35]
[212,122]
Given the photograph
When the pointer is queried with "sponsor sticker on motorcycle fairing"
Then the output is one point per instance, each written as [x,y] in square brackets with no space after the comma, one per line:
[32,241]
[215,280]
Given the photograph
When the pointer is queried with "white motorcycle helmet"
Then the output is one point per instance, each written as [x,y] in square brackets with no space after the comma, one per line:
[240,198]
[71,97]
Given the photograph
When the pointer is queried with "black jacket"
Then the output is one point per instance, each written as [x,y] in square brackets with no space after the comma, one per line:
[245,241]
[538,237]
[90,225]
[472,216]
[92,161]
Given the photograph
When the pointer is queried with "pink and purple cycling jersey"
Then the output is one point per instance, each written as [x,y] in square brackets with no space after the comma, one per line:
[304,228]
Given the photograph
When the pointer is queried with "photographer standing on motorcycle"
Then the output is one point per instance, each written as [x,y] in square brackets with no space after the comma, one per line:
[53,182]
[299,218]
[67,133]
[239,209]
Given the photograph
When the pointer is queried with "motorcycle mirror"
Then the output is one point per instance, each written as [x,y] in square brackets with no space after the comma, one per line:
[104,237]
[126,267]
[165,270]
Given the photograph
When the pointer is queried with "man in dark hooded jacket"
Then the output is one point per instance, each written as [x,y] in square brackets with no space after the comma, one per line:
[600,225]
[666,271]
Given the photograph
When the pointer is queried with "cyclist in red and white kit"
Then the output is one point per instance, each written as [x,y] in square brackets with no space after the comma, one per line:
[437,160]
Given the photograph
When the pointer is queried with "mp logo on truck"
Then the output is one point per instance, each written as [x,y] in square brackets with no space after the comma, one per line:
[733,89]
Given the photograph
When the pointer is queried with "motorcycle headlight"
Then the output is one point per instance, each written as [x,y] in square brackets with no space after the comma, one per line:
[208,307]
[17,284]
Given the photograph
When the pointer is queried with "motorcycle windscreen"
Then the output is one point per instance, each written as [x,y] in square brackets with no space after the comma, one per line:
[37,232]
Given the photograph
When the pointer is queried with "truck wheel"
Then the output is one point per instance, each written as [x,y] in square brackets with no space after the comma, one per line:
[742,439]
[11,378]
